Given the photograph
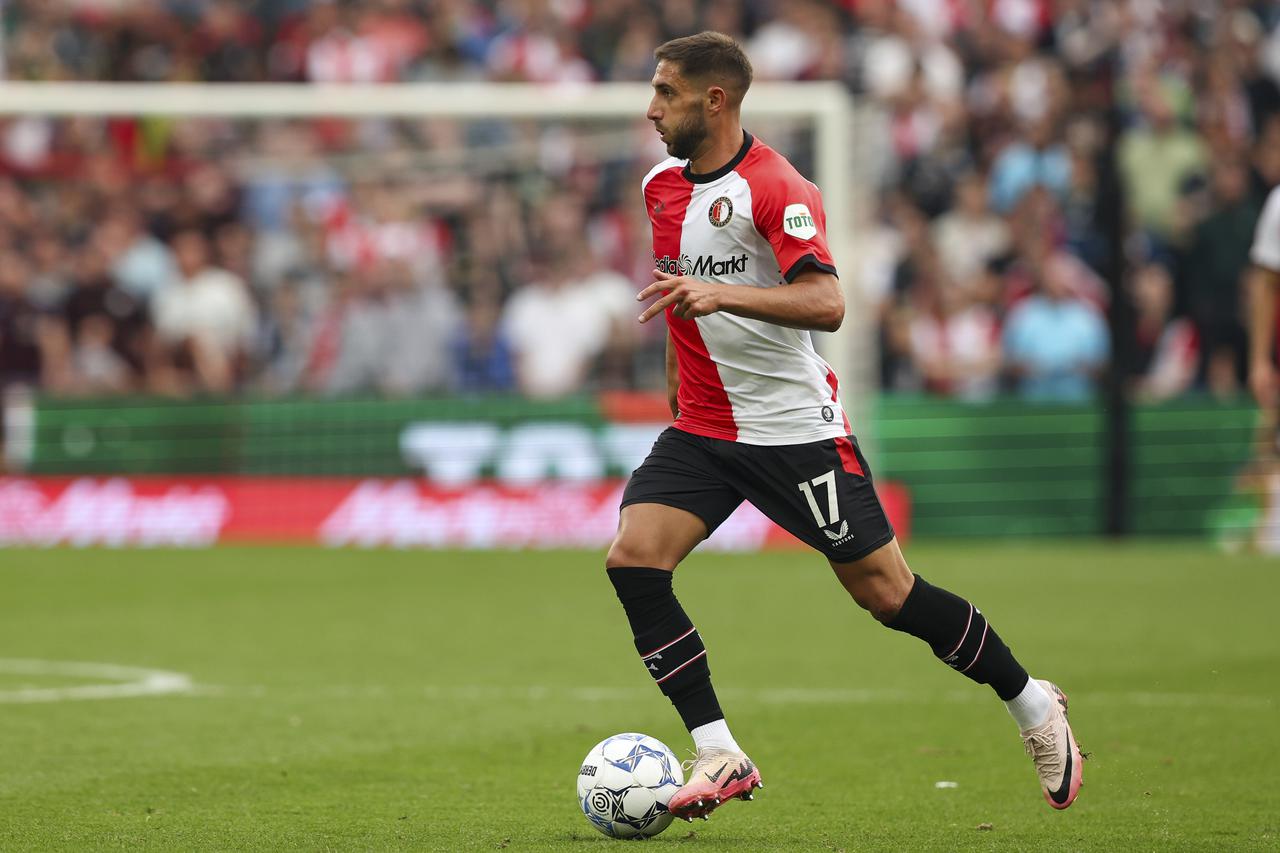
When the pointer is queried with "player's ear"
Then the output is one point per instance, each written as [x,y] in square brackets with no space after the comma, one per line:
[717,99]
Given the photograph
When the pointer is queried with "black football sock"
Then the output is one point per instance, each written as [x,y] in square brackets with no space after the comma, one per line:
[668,644]
[960,637]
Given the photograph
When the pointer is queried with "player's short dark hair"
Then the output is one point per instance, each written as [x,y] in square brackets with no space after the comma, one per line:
[710,56]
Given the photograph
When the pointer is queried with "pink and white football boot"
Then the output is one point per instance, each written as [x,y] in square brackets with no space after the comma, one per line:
[715,777]
[1057,756]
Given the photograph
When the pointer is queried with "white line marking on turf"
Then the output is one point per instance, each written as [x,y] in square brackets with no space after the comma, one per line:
[762,695]
[124,681]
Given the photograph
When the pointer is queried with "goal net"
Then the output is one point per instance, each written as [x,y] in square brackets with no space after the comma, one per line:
[303,312]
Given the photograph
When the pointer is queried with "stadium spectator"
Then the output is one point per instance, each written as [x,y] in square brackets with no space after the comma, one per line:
[1038,230]
[1082,231]
[969,236]
[796,43]
[425,315]
[1213,272]
[481,353]
[560,323]
[930,174]
[1158,159]
[291,181]
[50,269]
[1165,347]
[572,310]
[351,45]
[393,333]
[288,333]
[897,51]
[537,49]
[905,243]
[205,321]
[109,333]
[1055,342]
[955,342]
[1037,159]
[140,264]
[226,44]
[33,345]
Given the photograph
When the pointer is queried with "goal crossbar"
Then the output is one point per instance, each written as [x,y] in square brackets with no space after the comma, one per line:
[459,100]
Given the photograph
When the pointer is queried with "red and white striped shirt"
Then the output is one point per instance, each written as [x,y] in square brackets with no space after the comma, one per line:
[755,222]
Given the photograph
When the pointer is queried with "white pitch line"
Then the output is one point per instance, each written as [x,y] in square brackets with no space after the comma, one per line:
[124,681]
[762,695]
[841,696]
[133,681]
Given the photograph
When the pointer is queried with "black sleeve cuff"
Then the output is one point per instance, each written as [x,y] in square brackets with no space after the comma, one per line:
[809,260]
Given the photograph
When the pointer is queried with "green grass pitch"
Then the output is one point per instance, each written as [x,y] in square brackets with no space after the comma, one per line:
[372,700]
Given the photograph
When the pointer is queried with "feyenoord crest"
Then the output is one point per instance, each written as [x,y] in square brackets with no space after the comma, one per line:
[721,211]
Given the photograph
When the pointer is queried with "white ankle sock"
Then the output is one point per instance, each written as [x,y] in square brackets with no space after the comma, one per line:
[1030,708]
[714,736]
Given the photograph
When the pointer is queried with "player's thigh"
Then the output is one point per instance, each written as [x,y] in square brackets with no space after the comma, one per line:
[654,536]
[674,500]
[820,492]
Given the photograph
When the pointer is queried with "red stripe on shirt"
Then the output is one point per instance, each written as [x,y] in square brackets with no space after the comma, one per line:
[704,405]
[835,397]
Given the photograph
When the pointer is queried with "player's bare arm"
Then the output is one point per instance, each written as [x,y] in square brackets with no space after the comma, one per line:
[1262,311]
[812,301]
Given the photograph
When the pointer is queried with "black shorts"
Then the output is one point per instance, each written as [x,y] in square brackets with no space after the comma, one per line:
[820,492]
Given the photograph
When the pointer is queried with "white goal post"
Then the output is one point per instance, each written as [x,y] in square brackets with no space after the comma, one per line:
[827,106]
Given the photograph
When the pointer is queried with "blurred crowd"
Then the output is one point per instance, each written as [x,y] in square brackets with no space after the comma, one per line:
[993,247]
[405,257]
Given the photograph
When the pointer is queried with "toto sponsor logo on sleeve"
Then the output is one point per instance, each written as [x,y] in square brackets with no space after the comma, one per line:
[798,222]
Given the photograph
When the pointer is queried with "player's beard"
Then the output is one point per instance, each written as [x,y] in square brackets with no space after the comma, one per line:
[687,137]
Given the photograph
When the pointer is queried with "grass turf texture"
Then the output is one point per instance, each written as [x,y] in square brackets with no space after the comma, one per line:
[412,700]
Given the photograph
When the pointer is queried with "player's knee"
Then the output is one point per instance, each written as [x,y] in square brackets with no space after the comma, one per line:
[883,604]
[618,556]
[878,595]
[627,552]
[879,583]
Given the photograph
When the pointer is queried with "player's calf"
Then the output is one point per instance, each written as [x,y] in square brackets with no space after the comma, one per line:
[960,637]
[670,647]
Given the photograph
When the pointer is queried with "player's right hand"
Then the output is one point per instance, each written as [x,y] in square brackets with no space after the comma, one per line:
[688,297]
[1262,382]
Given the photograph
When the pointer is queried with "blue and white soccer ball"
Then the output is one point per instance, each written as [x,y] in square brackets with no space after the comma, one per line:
[625,784]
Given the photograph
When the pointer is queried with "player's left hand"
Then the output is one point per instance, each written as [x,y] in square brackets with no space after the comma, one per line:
[688,297]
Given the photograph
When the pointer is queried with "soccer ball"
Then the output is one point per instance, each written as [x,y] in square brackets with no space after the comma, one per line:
[625,784]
